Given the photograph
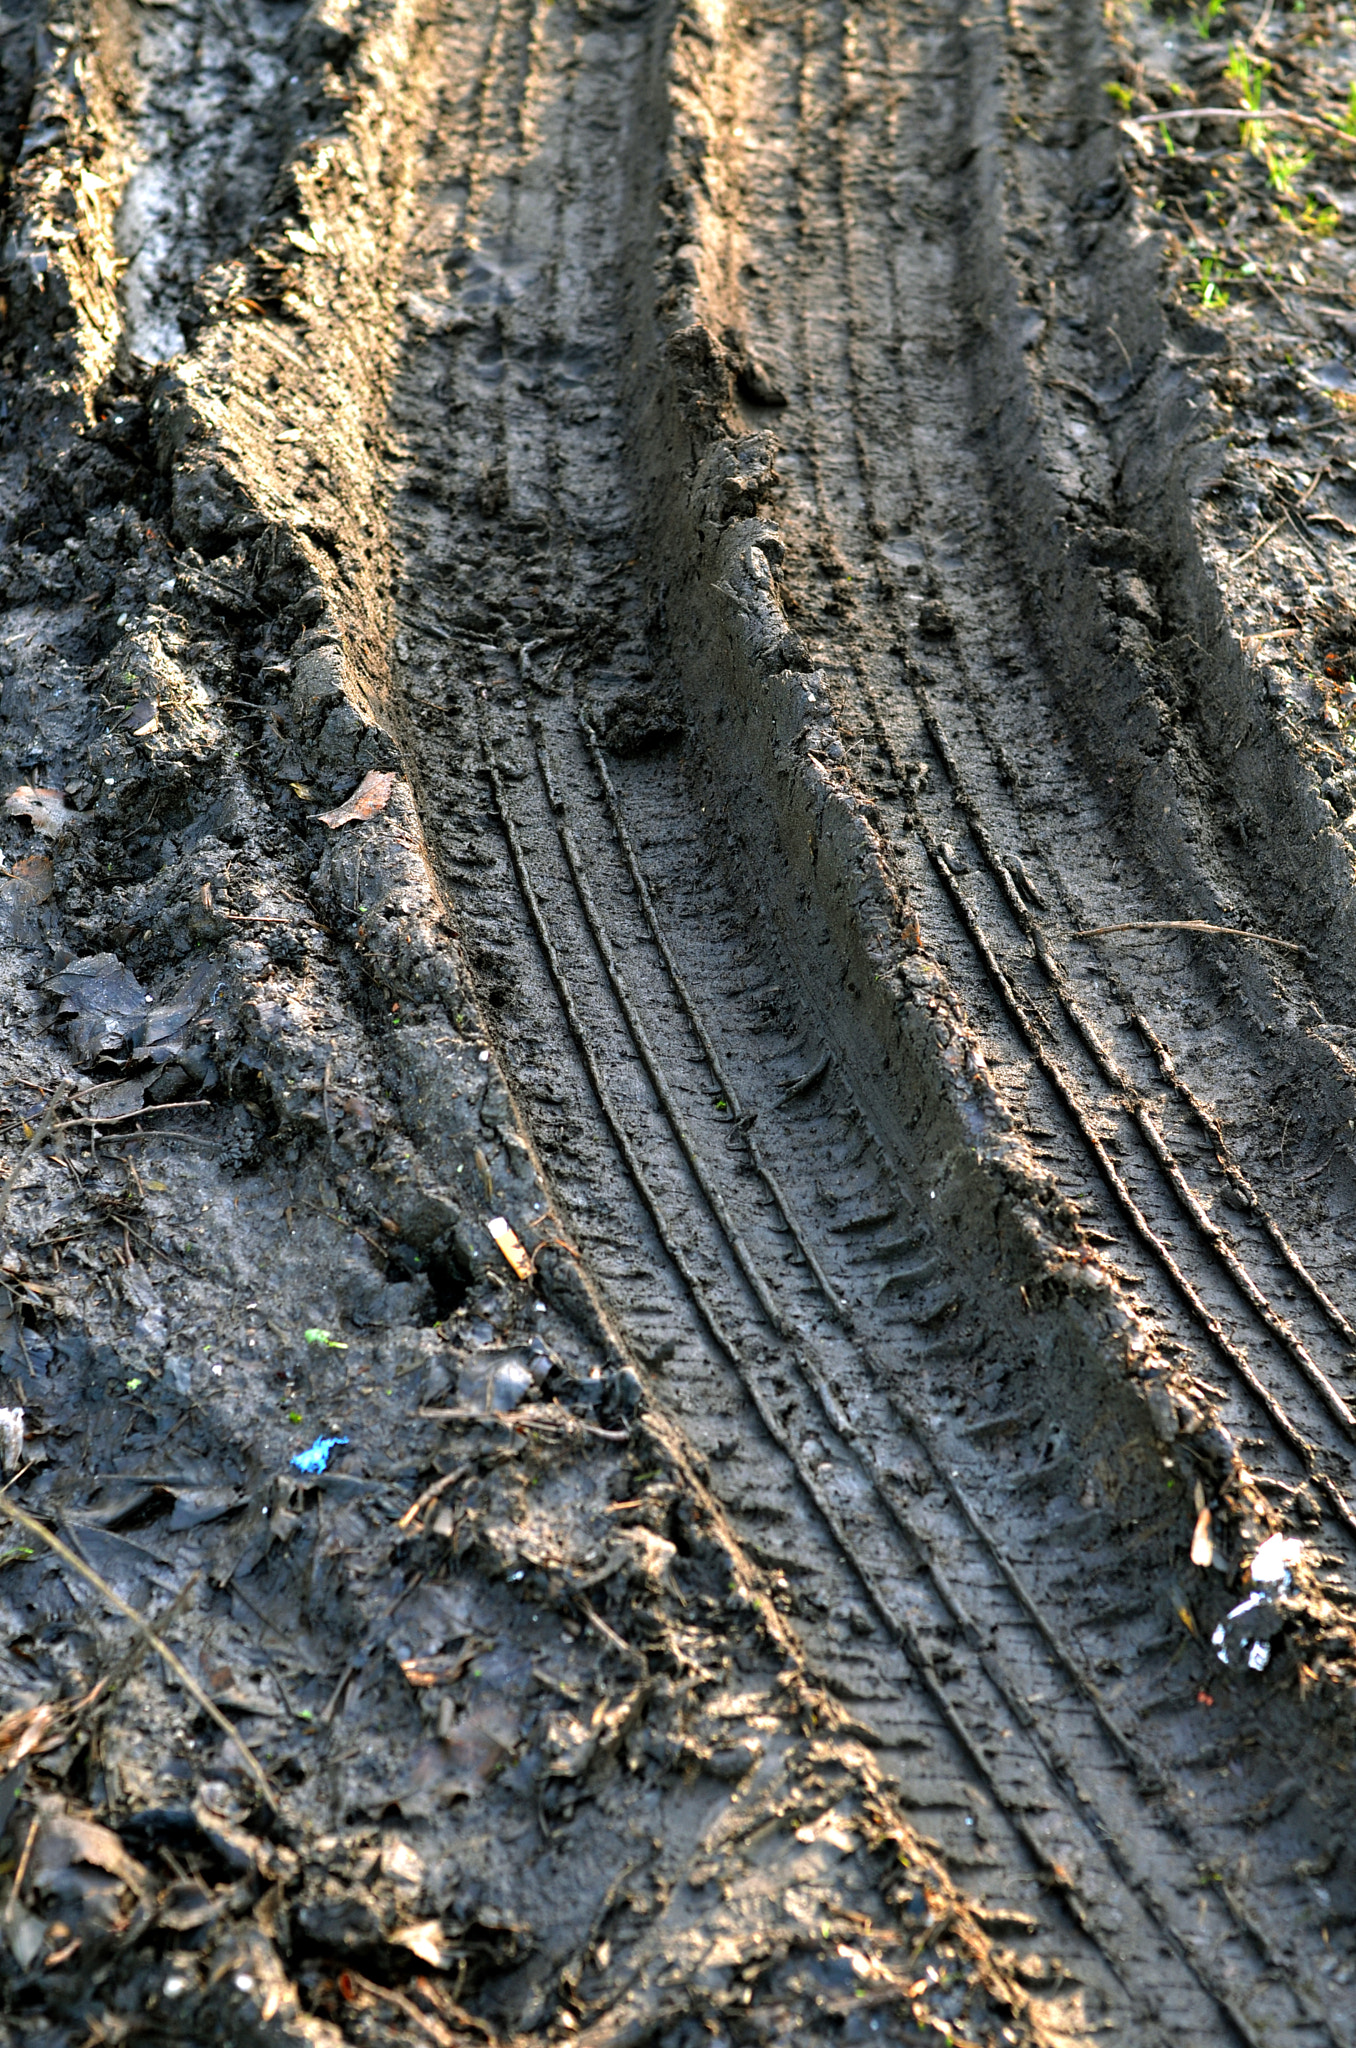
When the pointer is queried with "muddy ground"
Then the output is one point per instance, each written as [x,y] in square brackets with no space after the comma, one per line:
[678,958]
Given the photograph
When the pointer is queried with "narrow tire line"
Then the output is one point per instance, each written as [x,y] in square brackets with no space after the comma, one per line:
[1234,1359]
[649,1058]
[899,1627]
[811,1370]
[1131,1101]
[837,1305]
[1210,1124]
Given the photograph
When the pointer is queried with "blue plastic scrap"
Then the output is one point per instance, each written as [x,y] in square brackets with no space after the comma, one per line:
[318,1456]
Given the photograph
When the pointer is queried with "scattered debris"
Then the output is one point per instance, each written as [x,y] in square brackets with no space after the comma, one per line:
[46,809]
[1249,1629]
[511,1245]
[427,1941]
[372,795]
[11,1439]
[499,1380]
[317,1457]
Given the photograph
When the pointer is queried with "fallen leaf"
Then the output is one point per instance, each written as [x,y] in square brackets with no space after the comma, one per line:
[427,1941]
[34,874]
[103,1004]
[46,809]
[399,1861]
[511,1245]
[143,718]
[66,1841]
[30,1729]
[25,1933]
[372,795]
[358,1111]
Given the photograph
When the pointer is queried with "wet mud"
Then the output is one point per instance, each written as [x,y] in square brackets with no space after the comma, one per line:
[678,1356]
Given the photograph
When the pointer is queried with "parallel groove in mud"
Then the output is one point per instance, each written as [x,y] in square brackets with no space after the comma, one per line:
[990,579]
[945,1479]
[724,1228]
[961,1698]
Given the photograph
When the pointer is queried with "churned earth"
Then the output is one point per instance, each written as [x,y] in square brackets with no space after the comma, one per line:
[678,958]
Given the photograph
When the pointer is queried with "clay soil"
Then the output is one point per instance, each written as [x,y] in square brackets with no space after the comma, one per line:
[677,1015]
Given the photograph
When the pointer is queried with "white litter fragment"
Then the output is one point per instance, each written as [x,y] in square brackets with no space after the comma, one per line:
[1275,1560]
[1248,1629]
[11,1438]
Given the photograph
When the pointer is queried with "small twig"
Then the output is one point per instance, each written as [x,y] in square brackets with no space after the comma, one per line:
[805,1082]
[251,916]
[550,1244]
[44,1125]
[1260,542]
[77,1123]
[162,1649]
[25,1858]
[1194,924]
[434,2028]
[431,1494]
[609,1634]
[561,1423]
[179,1137]
[1260,115]
[123,1670]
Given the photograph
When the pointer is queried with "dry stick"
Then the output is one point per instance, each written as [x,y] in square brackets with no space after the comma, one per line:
[1193,924]
[44,1125]
[122,1671]
[1261,115]
[15,1899]
[609,1634]
[426,2022]
[147,1109]
[431,1494]
[157,1642]
[251,916]
[1263,18]
[1302,500]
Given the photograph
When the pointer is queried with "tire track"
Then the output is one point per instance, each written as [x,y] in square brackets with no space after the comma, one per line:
[826,1310]
[976,1694]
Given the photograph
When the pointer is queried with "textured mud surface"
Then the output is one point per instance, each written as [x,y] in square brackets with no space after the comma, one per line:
[676,719]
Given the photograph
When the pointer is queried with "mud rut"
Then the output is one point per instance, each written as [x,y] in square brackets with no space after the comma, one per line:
[800,650]
[722,1141]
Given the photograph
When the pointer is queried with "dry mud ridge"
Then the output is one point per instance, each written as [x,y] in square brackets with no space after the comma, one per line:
[812,584]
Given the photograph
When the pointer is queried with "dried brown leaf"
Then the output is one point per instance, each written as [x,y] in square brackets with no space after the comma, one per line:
[31,1728]
[372,795]
[46,809]
[66,1840]
[427,1941]
[33,874]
